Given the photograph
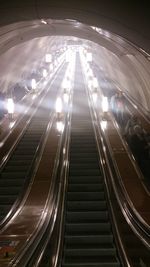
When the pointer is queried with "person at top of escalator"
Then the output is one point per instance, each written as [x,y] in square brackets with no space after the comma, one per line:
[118,107]
[129,128]
[139,145]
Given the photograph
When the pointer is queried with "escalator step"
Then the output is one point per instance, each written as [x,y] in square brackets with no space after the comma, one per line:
[77,160]
[12,191]
[7,199]
[86,165]
[4,209]
[88,228]
[84,172]
[89,240]
[85,179]
[87,216]
[19,168]
[93,264]
[85,196]
[86,206]
[107,259]
[12,175]
[90,252]
[11,182]
[85,187]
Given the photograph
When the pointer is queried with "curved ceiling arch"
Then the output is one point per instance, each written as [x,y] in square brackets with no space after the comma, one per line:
[11,35]
[128,19]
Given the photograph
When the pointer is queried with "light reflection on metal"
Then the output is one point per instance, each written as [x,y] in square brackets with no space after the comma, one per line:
[45,73]
[48,58]
[33,84]
[66,97]
[103,124]
[95,82]
[11,124]
[1,144]
[60,126]
[44,21]
[10,106]
[94,96]
[105,104]
[58,105]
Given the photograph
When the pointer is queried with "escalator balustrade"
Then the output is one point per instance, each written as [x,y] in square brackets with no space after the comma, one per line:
[17,171]
[88,236]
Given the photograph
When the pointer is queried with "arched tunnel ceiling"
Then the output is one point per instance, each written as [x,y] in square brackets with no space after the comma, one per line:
[14,34]
[123,30]
[129,19]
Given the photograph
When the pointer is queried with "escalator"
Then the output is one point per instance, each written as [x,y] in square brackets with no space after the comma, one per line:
[16,172]
[88,235]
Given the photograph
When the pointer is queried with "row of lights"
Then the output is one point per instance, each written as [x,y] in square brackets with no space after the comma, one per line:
[63,101]
[93,85]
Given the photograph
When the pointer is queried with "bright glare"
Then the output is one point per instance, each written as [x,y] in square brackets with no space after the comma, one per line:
[95,82]
[10,106]
[90,72]
[60,126]
[103,125]
[11,124]
[66,97]
[58,105]
[66,84]
[69,55]
[1,144]
[51,67]
[45,73]
[90,84]
[43,21]
[34,96]
[48,58]
[105,104]
[89,57]
[33,84]
[94,96]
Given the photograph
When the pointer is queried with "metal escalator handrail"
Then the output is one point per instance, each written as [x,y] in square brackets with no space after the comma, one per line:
[136,222]
[139,226]
[25,117]
[51,207]
[107,173]
[57,190]
[34,164]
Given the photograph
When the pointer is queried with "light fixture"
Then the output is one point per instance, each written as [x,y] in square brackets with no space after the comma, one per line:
[104,104]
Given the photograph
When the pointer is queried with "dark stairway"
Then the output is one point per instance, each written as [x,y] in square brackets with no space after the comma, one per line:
[88,237]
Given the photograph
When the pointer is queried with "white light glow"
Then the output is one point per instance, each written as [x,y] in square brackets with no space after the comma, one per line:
[33,84]
[94,96]
[48,58]
[103,125]
[11,124]
[66,98]
[45,73]
[43,21]
[89,57]
[51,67]
[90,72]
[10,106]
[95,82]
[58,106]
[1,144]
[60,126]
[105,104]
[34,96]
[90,84]
[66,84]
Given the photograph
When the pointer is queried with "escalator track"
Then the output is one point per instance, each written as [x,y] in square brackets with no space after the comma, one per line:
[88,234]
[17,171]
